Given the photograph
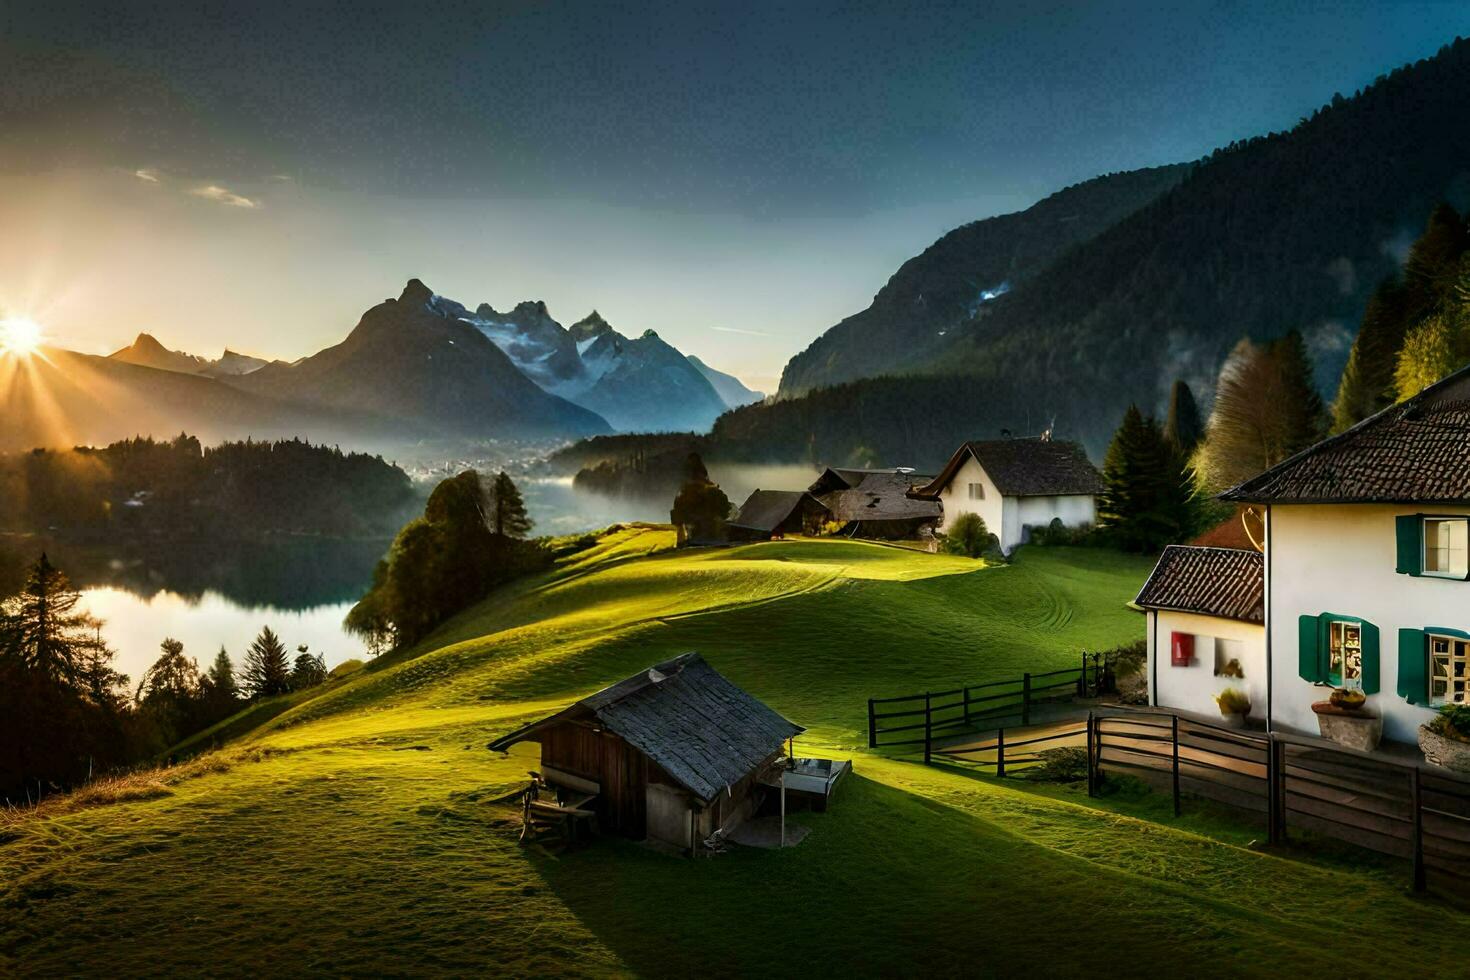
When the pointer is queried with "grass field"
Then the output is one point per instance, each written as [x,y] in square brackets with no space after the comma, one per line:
[348,832]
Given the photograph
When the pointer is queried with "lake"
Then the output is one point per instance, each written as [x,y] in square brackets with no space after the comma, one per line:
[211,593]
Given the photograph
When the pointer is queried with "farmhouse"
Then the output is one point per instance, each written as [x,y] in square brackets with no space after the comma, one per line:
[770,514]
[673,753]
[1366,564]
[1205,612]
[874,503]
[1016,485]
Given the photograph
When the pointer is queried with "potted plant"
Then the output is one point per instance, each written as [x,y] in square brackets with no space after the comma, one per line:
[1235,705]
[1446,739]
[1345,719]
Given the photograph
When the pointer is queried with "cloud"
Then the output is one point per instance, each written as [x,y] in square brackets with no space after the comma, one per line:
[214,192]
[148,174]
[748,333]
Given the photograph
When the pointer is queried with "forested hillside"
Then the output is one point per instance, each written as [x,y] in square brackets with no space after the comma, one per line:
[1288,231]
[955,279]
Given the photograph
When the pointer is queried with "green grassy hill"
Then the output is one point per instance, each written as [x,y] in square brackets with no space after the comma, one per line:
[350,832]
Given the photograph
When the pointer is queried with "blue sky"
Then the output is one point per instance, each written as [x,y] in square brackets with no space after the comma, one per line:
[738,177]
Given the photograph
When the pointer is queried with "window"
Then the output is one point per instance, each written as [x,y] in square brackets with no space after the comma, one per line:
[977,491]
[1345,654]
[1445,546]
[1229,658]
[1449,658]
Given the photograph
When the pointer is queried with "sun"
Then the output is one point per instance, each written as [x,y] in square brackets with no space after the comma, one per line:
[20,336]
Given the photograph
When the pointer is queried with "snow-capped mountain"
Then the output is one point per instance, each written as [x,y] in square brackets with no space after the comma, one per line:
[638,385]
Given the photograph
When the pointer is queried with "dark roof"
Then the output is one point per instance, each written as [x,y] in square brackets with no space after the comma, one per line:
[879,495]
[766,510]
[1415,452]
[1224,582]
[704,732]
[1024,468]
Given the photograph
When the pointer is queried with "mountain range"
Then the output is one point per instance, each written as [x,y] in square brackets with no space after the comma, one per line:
[416,367]
[1031,321]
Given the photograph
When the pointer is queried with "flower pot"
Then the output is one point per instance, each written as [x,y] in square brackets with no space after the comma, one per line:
[1234,719]
[1447,753]
[1355,728]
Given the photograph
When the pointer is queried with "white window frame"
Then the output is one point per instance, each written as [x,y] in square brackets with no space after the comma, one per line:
[1463,569]
[1456,650]
[976,491]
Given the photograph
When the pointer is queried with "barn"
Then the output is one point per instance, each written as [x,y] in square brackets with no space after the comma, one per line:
[768,514]
[672,754]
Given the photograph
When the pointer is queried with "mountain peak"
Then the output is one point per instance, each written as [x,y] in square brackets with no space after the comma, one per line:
[416,293]
[591,325]
[649,334]
[146,341]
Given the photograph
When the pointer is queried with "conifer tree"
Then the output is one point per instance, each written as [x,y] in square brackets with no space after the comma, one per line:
[507,510]
[221,678]
[1302,414]
[267,671]
[1184,426]
[1148,500]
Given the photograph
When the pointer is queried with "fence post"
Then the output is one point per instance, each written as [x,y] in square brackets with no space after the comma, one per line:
[1025,699]
[1416,800]
[1175,727]
[1273,799]
[1000,752]
[1082,677]
[1091,756]
[928,729]
[872,725]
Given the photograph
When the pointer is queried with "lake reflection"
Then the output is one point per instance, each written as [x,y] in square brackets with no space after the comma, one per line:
[209,593]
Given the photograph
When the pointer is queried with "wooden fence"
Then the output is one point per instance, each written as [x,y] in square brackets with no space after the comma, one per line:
[930,718]
[1402,808]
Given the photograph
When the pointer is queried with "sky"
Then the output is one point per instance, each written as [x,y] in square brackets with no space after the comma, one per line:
[738,177]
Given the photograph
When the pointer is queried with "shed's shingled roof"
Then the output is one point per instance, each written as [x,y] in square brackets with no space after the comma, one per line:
[1024,468]
[700,729]
[1415,452]
[1223,582]
[765,510]
[879,495]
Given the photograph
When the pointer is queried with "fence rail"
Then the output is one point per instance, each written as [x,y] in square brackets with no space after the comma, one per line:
[921,719]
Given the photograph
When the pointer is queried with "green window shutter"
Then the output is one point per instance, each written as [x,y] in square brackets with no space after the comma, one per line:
[1413,666]
[1370,658]
[1309,657]
[1409,533]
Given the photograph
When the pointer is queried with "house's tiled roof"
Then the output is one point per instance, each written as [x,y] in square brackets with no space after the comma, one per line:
[1414,452]
[1224,582]
[700,729]
[1024,468]
[880,495]
[765,510]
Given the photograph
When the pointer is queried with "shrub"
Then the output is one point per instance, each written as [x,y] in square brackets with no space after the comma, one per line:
[1063,765]
[1058,535]
[1233,701]
[1453,722]
[1347,698]
[969,536]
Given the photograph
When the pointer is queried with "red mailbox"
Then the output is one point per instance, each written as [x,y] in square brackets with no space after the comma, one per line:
[1181,646]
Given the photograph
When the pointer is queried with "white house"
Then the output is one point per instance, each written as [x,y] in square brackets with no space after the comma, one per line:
[1205,613]
[1366,564]
[1016,485]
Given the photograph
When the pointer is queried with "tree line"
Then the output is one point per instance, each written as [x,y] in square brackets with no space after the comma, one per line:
[67,714]
[180,486]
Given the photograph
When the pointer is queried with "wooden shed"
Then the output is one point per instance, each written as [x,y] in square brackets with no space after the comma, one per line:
[673,753]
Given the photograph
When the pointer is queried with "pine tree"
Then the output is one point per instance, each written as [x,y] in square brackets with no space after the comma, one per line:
[1368,383]
[507,509]
[172,677]
[1184,427]
[221,677]
[267,671]
[1303,416]
[309,670]
[1149,498]
[701,507]
[44,634]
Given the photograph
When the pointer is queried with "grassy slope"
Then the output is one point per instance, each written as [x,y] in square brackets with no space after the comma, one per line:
[350,833]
